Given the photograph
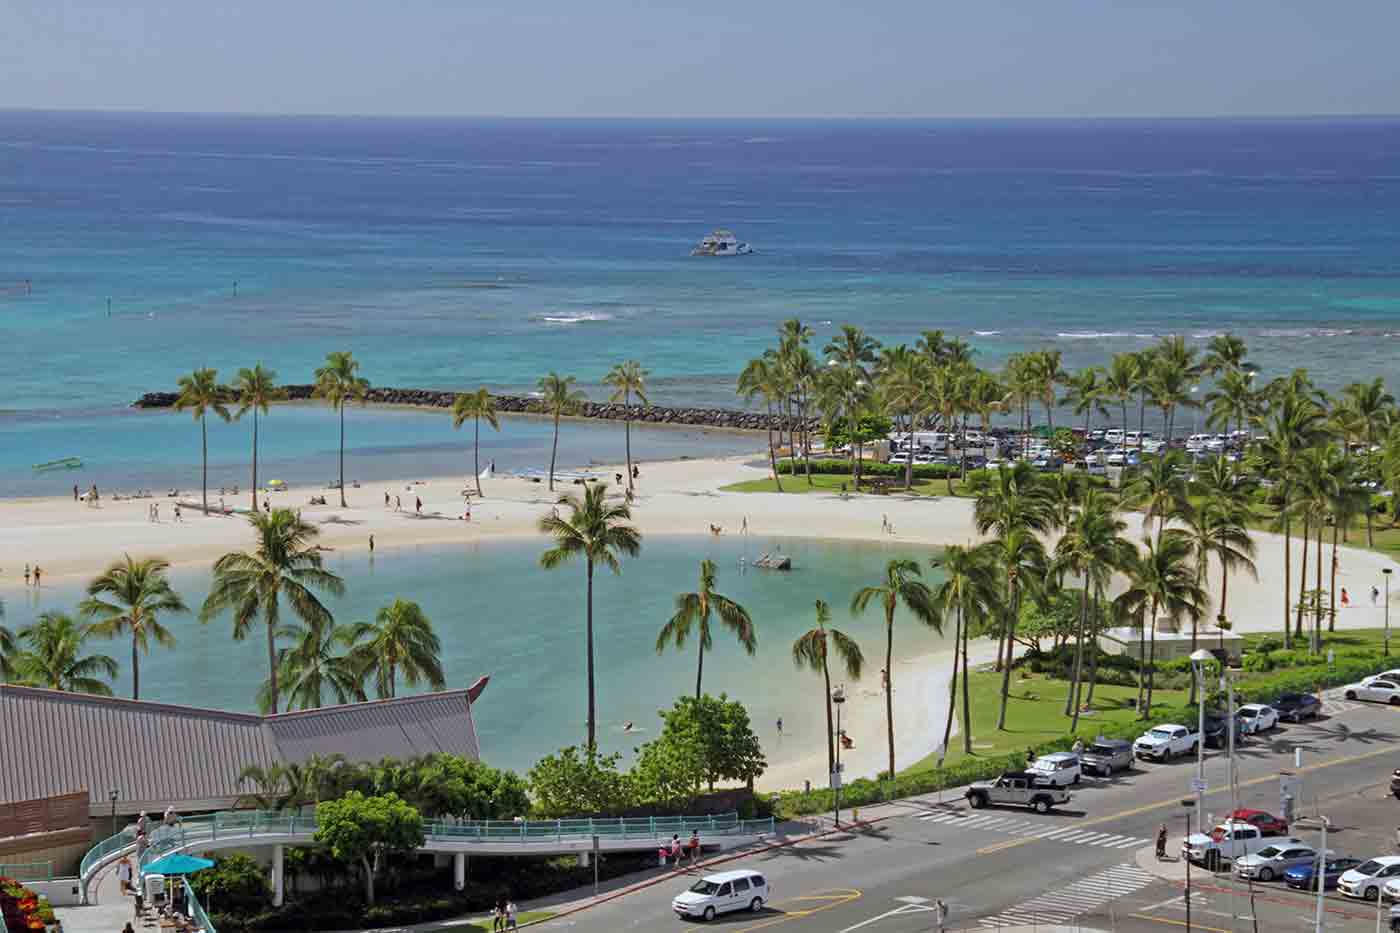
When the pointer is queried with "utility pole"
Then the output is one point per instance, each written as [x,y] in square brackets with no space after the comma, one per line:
[1199,658]
[838,696]
[1320,876]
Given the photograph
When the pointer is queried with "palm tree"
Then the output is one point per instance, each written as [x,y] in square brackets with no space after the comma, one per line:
[1373,408]
[693,611]
[1171,388]
[851,352]
[559,397]
[136,593]
[1087,393]
[53,657]
[254,390]
[1021,560]
[1162,580]
[1012,497]
[338,382]
[904,379]
[966,594]
[1294,424]
[1048,372]
[1232,402]
[1348,500]
[1219,528]
[251,584]
[400,640]
[1159,490]
[626,380]
[812,650]
[802,374]
[597,531]
[761,377]
[476,406]
[319,662]
[8,646]
[1121,381]
[899,586]
[200,393]
[1226,354]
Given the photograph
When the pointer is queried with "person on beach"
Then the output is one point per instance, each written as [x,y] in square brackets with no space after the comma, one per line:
[155,510]
[417,505]
[1346,599]
[177,512]
[398,504]
[75,492]
[26,574]
[884,523]
[744,525]
[780,727]
[386,498]
[617,478]
[223,509]
[1375,595]
[37,571]
[371,544]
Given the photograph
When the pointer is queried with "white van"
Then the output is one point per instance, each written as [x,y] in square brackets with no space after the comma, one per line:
[722,893]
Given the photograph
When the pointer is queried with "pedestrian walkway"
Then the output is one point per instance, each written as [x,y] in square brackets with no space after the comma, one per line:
[1036,829]
[1083,896]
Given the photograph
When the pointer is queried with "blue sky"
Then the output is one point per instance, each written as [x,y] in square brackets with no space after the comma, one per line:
[758,58]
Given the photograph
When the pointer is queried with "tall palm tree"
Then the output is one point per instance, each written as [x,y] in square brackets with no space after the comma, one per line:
[1012,497]
[1162,580]
[8,646]
[1087,393]
[966,593]
[1159,490]
[200,393]
[319,662]
[1348,500]
[626,380]
[338,382]
[813,649]
[1049,371]
[761,377]
[1294,424]
[693,611]
[904,380]
[401,640]
[1374,409]
[1120,382]
[476,406]
[559,397]
[254,390]
[284,563]
[802,374]
[1233,402]
[597,531]
[1219,528]
[1226,354]
[900,586]
[851,353]
[52,657]
[128,599]
[1021,562]
[1171,389]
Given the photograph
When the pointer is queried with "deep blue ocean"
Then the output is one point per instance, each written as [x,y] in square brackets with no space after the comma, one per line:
[455,253]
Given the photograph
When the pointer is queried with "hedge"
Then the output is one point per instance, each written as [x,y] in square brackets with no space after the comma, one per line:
[867,468]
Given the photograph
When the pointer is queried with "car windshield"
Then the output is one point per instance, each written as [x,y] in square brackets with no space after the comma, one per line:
[1249,713]
[1269,851]
[704,887]
[1101,750]
[1369,867]
[1159,733]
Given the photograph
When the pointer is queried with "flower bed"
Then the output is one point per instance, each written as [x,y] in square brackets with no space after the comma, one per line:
[23,910]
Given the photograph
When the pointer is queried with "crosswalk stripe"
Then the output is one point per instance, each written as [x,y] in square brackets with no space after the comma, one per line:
[1080,897]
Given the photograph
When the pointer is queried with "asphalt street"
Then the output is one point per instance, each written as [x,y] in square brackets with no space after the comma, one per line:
[1087,864]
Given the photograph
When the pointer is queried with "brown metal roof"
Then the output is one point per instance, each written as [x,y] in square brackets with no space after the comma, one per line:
[158,754]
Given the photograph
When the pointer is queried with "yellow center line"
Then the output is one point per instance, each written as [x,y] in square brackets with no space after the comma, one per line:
[1178,923]
[1147,808]
[835,899]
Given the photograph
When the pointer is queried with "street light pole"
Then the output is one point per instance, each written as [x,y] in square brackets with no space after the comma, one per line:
[838,696]
[1189,805]
[112,796]
[1199,657]
[1320,876]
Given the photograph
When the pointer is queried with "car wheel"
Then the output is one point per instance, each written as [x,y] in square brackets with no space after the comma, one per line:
[1213,861]
[1266,874]
[1351,694]
[1041,805]
[1395,701]
[1076,779]
[756,904]
[977,801]
[709,914]
[1369,894]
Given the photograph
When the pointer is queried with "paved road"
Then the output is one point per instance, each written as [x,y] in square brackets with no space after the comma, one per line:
[1079,866]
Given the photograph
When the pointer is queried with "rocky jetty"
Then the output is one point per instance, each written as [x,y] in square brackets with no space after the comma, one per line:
[727,418]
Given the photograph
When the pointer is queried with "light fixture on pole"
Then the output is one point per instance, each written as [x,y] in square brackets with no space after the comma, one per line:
[838,696]
[1199,658]
[112,795]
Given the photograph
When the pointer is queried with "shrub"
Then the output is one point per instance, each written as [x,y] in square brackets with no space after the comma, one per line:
[868,468]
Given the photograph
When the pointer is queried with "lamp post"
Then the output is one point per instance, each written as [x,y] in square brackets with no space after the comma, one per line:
[1188,805]
[112,796]
[1199,657]
[838,696]
[1320,876]
[1385,571]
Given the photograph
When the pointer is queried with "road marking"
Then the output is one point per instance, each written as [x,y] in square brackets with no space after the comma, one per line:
[836,898]
[1173,801]
[1081,897]
[1178,923]
[916,905]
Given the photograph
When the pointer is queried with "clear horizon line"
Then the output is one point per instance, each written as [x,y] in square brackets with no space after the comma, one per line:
[673,118]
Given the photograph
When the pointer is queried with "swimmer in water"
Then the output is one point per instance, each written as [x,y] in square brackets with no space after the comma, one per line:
[627,726]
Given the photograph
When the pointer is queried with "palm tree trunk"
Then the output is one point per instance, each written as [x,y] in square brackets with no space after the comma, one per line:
[699,664]
[1303,577]
[966,698]
[272,664]
[254,490]
[627,434]
[889,682]
[1332,615]
[1070,705]
[830,733]
[476,455]
[953,684]
[342,456]
[806,438]
[135,670]
[1015,601]
[553,455]
[1151,664]
[592,718]
[204,476]
[1224,585]
[1287,577]
[909,464]
[393,679]
[1317,614]
[772,453]
[1094,654]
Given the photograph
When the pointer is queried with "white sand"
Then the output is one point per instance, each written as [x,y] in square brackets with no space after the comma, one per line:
[71,541]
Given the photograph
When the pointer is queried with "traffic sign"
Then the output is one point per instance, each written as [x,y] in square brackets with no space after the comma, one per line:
[1198,786]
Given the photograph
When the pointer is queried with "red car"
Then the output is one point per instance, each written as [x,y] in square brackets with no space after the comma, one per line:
[1269,825]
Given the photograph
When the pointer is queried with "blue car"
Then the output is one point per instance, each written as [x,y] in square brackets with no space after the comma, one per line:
[1301,876]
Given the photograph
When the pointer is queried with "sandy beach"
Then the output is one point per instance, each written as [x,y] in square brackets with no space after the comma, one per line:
[71,541]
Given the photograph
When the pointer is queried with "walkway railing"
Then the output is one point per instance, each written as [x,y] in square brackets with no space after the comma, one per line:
[98,853]
[197,914]
[27,871]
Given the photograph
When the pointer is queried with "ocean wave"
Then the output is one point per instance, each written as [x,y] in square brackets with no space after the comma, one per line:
[1094,335]
[581,318]
[986,333]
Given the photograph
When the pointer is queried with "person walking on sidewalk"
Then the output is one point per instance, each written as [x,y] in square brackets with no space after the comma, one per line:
[1162,842]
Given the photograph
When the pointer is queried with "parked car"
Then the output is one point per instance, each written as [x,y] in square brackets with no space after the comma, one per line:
[1392,676]
[1365,880]
[1258,717]
[1217,734]
[1059,769]
[1379,691]
[1017,788]
[1272,861]
[1305,876]
[1266,822]
[1295,707]
[899,458]
[722,893]
[1165,742]
[1395,783]
[1228,841]
[1107,756]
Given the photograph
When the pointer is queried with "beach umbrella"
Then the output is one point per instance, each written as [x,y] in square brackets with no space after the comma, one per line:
[177,864]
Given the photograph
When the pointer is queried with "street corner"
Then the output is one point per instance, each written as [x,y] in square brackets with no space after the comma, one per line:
[1171,868]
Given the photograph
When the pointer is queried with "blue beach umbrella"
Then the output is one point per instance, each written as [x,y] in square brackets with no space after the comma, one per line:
[178,864]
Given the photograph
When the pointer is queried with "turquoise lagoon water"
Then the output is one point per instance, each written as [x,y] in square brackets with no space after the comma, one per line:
[498,613]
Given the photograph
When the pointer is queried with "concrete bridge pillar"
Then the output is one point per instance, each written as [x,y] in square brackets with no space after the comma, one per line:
[459,870]
[278,853]
[583,858]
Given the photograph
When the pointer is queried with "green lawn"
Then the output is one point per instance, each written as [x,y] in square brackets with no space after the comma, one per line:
[831,484]
[1351,638]
[484,924]
[1034,714]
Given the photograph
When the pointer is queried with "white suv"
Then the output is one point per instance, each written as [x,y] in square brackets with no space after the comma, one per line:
[721,893]
[1060,768]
